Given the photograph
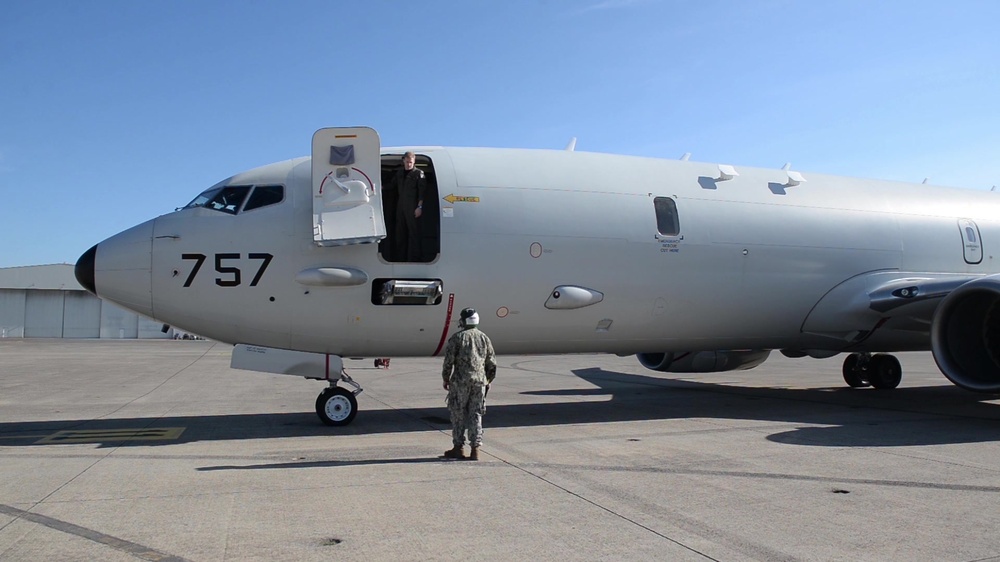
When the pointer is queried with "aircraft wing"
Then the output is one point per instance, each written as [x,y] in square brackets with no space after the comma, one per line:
[907,291]
[874,310]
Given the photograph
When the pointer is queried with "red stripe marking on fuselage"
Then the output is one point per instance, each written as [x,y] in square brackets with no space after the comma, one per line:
[447,322]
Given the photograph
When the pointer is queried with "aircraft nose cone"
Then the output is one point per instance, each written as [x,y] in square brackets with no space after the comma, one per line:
[123,269]
[84,270]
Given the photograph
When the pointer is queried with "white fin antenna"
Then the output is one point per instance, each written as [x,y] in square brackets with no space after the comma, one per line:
[794,178]
[726,172]
[685,157]
[571,146]
[787,166]
[925,181]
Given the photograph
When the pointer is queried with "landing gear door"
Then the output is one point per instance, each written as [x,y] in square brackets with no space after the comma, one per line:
[347,186]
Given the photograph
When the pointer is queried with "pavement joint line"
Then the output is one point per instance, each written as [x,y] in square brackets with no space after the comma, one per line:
[768,475]
[595,504]
[93,464]
[928,459]
[601,507]
[566,490]
[163,382]
[134,549]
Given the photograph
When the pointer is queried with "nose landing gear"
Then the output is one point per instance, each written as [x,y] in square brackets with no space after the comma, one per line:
[336,405]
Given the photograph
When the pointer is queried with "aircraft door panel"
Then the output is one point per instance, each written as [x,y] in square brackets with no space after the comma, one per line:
[346,187]
[971,245]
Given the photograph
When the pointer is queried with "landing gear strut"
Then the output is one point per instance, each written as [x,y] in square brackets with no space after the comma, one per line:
[336,405]
[880,371]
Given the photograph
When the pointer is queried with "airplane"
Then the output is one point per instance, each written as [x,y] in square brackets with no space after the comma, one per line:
[692,267]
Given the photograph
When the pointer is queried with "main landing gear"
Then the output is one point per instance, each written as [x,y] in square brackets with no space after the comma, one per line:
[337,405]
[878,371]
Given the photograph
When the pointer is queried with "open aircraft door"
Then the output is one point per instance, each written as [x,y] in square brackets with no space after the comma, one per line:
[347,186]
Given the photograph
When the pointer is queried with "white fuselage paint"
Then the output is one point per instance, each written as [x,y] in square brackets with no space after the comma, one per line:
[753,259]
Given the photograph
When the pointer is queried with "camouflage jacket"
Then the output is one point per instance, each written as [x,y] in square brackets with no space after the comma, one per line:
[469,358]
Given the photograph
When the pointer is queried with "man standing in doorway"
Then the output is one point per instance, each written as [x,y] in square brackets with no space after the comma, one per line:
[470,365]
[410,186]
[390,198]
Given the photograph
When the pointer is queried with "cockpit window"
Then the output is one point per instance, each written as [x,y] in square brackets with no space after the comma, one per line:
[264,195]
[226,199]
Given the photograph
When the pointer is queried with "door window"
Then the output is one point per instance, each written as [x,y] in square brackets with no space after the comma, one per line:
[666,216]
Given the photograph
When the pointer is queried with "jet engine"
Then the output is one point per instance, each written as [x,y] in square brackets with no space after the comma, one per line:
[703,361]
[965,335]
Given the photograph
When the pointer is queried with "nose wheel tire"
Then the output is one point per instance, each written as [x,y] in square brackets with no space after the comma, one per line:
[336,406]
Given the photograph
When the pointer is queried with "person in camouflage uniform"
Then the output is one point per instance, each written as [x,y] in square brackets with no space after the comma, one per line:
[469,367]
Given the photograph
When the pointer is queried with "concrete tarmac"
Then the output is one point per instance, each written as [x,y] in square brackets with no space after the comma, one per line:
[157,450]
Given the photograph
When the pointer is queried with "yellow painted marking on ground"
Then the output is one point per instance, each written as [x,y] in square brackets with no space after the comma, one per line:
[102,435]
[451,198]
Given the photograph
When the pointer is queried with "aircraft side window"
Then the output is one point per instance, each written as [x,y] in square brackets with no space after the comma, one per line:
[264,195]
[226,199]
[229,199]
[203,197]
[667,223]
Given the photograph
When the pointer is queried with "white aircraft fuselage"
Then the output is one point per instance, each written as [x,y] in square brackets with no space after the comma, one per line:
[563,252]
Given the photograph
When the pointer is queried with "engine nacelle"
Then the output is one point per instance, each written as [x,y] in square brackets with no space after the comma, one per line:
[703,361]
[965,335]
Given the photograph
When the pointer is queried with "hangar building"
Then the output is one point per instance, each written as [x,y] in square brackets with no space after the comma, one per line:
[45,301]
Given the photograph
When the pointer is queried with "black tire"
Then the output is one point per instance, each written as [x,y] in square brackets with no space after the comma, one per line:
[884,371]
[336,406]
[853,374]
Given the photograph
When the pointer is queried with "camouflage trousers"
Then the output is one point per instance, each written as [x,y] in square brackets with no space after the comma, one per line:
[467,404]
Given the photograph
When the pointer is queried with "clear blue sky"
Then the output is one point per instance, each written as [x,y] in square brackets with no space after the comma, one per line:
[113,112]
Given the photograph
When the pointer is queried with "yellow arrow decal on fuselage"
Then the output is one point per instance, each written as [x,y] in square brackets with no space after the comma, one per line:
[460,198]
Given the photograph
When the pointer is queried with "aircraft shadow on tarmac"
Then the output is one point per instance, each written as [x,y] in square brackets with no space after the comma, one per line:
[837,417]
